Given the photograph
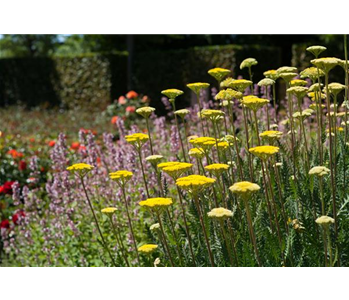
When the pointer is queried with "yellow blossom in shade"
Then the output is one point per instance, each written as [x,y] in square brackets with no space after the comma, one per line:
[244,188]
[298,82]
[335,88]
[137,139]
[145,111]
[271,135]
[217,169]
[172,93]
[121,176]
[230,139]
[319,171]
[324,220]
[248,63]
[326,63]
[241,84]
[313,98]
[182,112]
[219,73]
[175,168]
[288,76]
[316,50]
[266,82]
[156,204]
[312,73]
[220,213]
[315,87]
[198,86]
[222,145]
[314,106]
[109,210]
[147,248]
[213,115]
[155,226]
[194,183]
[254,103]
[264,152]
[342,63]
[303,114]
[228,94]
[203,142]
[80,167]
[154,159]
[272,74]
[298,91]
[286,69]
[226,83]
[197,152]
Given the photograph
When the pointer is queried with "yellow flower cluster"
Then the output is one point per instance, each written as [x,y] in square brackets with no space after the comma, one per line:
[272,74]
[316,50]
[271,134]
[156,203]
[198,86]
[298,82]
[175,168]
[203,142]
[312,73]
[153,159]
[326,63]
[244,188]
[197,152]
[266,82]
[241,84]
[219,73]
[217,169]
[213,115]
[194,183]
[220,213]
[147,248]
[254,103]
[228,94]
[264,152]
[109,210]
[335,88]
[80,167]
[145,111]
[324,220]
[172,93]
[319,171]
[298,91]
[137,139]
[182,112]
[121,176]
[248,63]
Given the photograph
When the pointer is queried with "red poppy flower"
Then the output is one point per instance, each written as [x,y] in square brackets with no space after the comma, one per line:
[5,224]
[122,100]
[17,216]
[114,119]
[131,95]
[22,165]
[130,109]
[7,187]
[51,143]
[75,146]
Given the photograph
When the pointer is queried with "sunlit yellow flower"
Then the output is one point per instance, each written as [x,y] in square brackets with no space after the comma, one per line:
[298,82]
[154,227]
[217,169]
[222,145]
[314,106]
[80,167]
[286,69]
[303,114]
[266,82]
[316,50]
[147,248]
[182,112]
[254,103]
[145,111]
[326,63]
[219,73]
[335,88]
[312,73]
[288,76]
[175,168]
[264,152]
[197,152]
[241,84]
[109,210]
[230,139]
[319,171]
[213,115]
[272,74]
[226,83]
[244,188]
[248,63]
[203,142]
[315,87]
[271,135]
[194,183]
[298,91]
[121,176]
[154,159]
[137,139]
[156,204]
[220,213]
[172,93]
[324,220]
[228,94]
[198,86]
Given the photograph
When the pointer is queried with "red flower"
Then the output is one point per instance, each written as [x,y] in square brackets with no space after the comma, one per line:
[15,154]
[145,99]
[130,109]
[75,146]
[131,95]
[7,188]
[122,100]
[32,140]
[17,216]
[5,224]
[114,119]
[51,143]
[22,165]
[82,148]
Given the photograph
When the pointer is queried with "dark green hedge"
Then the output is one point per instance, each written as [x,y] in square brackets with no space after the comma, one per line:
[98,79]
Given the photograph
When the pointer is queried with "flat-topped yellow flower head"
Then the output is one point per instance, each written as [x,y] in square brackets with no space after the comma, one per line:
[335,88]
[241,84]
[272,74]
[182,112]
[226,83]
[315,87]
[286,69]
[156,204]
[326,63]
[219,73]
[248,63]
[80,168]
[154,159]
[203,142]
[121,176]
[244,188]
[198,86]
[298,91]
[109,210]
[228,94]
[312,73]
[254,103]
[223,145]
[172,93]
[316,50]
[288,76]
[264,152]
[194,183]
[298,82]
[213,115]
[217,169]
[271,135]
[145,111]
[220,213]
[319,171]
[324,221]
[137,139]
[147,248]
[175,168]
[301,115]
[197,152]
[266,82]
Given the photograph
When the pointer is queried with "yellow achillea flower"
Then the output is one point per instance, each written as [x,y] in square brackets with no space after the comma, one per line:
[312,73]
[137,139]
[298,82]
[244,188]
[203,142]
[155,226]
[154,159]
[316,50]
[266,82]
[228,94]
[156,203]
[182,113]
[172,93]
[222,145]
[145,111]
[219,73]
[314,106]
[226,83]
[271,135]
[313,98]
[197,152]
[264,152]
[298,91]
[147,248]
[303,114]
[272,74]
[121,176]
[326,63]
[319,171]
[248,63]
[109,210]
[241,84]
[217,169]
[335,88]
[198,86]
[194,183]
[80,167]
[254,103]
[175,168]
[213,115]
[220,213]
[324,220]
[286,69]
[288,76]
[315,87]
